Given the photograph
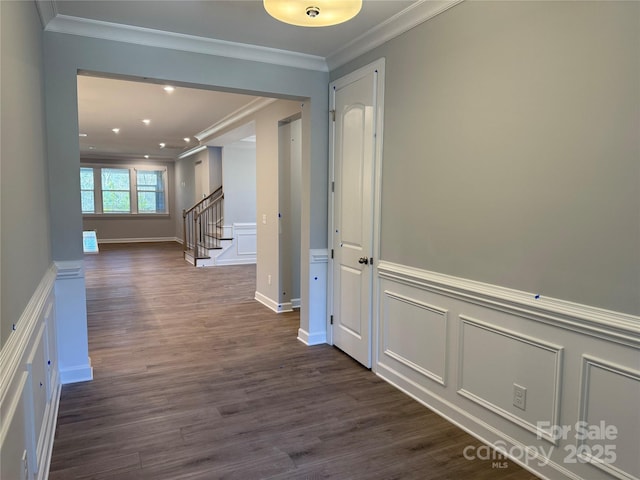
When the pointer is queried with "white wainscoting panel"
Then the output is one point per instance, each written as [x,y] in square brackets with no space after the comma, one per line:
[239,251]
[413,334]
[30,388]
[577,362]
[317,307]
[492,360]
[610,398]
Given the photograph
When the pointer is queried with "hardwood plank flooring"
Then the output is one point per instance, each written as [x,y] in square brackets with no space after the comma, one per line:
[196,380]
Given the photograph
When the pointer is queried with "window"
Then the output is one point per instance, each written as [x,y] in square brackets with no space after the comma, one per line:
[150,186]
[123,190]
[87,190]
[116,190]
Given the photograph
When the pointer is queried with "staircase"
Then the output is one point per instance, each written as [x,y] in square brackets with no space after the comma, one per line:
[203,232]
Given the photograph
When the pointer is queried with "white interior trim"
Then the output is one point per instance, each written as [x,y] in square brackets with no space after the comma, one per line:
[47,10]
[614,326]
[415,14]
[243,112]
[178,41]
[139,240]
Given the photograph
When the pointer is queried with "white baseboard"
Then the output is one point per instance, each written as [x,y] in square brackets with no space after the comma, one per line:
[235,261]
[139,240]
[83,373]
[272,304]
[295,303]
[544,468]
[311,339]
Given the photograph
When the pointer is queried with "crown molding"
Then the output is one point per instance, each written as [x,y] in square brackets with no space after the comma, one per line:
[47,10]
[412,16]
[243,112]
[178,41]
[417,13]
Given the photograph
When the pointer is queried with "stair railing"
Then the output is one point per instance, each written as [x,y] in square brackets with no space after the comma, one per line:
[201,225]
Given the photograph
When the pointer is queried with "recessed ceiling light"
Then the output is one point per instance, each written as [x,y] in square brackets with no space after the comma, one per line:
[146,121]
[82,134]
[146,156]
[187,139]
[162,145]
[169,88]
[115,130]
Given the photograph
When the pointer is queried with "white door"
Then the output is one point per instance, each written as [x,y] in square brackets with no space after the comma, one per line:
[354,152]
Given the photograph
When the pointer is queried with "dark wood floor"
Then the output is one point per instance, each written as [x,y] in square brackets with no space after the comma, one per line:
[196,380]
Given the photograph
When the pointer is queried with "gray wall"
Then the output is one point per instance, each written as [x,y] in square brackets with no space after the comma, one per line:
[215,168]
[25,241]
[289,206]
[111,227]
[185,189]
[239,181]
[512,148]
[66,54]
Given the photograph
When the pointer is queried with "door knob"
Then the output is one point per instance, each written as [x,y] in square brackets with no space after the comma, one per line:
[363,260]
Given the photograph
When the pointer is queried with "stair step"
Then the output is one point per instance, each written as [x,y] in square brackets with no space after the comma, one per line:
[217,236]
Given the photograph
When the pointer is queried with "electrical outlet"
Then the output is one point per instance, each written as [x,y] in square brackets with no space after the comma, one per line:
[264,218]
[519,396]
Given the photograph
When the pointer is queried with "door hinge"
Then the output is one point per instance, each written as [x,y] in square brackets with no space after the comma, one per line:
[332,253]
[333,115]
[331,319]
[333,187]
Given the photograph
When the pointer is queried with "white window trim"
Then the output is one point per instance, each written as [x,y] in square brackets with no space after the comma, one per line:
[133,190]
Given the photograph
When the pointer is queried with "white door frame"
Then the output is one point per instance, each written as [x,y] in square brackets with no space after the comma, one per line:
[377,67]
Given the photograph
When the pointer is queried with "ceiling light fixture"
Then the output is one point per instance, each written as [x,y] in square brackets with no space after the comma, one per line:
[169,89]
[146,121]
[146,156]
[313,13]
[115,130]
[82,134]
[162,145]
[187,139]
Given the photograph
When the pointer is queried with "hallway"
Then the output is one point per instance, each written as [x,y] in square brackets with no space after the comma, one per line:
[195,379]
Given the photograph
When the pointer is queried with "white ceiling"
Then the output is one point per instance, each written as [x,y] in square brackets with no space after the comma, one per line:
[236,28]
[239,21]
[105,103]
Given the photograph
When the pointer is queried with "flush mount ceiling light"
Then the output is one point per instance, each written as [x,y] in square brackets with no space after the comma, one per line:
[146,121]
[313,13]
[115,130]
[168,88]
